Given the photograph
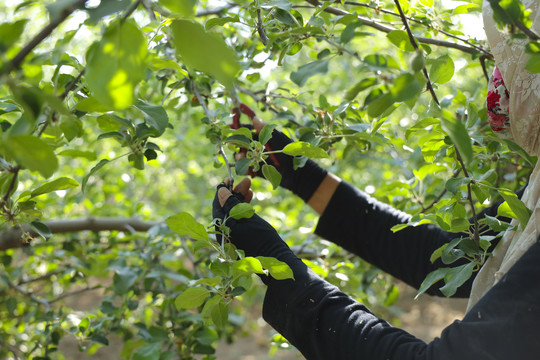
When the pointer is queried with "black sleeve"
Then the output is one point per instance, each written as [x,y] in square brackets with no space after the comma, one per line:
[324,323]
[361,224]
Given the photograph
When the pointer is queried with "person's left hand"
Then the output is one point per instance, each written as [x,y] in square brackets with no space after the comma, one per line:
[253,235]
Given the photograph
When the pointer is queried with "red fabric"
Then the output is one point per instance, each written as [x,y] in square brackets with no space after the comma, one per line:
[497,101]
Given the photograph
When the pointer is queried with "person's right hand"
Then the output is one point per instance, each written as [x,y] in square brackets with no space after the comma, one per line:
[302,181]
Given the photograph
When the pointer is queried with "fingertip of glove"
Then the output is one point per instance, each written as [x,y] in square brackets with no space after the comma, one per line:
[230,203]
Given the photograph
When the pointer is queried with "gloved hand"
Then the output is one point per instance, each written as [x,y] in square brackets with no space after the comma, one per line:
[302,181]
[254,235]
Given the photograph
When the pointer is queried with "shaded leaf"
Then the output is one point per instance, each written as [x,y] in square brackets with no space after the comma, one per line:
[304,72]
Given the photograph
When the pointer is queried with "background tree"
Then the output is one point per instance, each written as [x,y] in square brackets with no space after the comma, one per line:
[114,132]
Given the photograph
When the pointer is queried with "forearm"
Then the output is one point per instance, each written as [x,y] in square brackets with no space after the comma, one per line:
[324,323]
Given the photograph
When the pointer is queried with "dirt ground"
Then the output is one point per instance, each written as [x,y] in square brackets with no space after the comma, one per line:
[424,318]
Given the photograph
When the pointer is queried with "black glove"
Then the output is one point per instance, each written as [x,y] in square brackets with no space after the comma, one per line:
[302,181]
[254,235]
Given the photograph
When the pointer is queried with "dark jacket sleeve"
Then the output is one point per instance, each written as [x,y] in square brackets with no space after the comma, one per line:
[324,323]
[361,224]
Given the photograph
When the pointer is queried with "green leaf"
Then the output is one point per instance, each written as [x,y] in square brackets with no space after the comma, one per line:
[220,315]
[400,39]
[306,149]
[239,140]
[277,269]
[185,225]
[111,123]
[466,8]
[405,87]
[242,166]
[349,32]
[210,23]
[191,298]
[182,7]
[42,229]
[271,174]
[454,184]
[116,64]
[90,155]
[496,224]
[204,51]
[123,279]
[460,137]
[148,352]
[62,183]
[516,207]
[441,70]
[242,211]
[431,279]
[304,72]
[360,86]
[280,4]
[98,166]
[247,266]
[10,33]
[32,153]
[91,104]
[456,277]
[266,133]
[106,8]
[156,116]
[378,106]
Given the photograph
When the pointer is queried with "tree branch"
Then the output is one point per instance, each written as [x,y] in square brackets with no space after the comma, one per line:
[16,62]
[387,29]
[415,46]
[27,294]
[529,32]
[476,234]
[260,30]
[11,238]
[389,12]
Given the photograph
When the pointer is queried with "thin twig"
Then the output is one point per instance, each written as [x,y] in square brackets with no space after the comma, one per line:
[76,292]
[476,235]
[415,46]
[62,97]
[16,62]
[260,30]
[15,171]
[210,117]
[217,11]
[130,10]
[28,294]
[172,89]
[529,32]
[389,12]
[39,278]
[440,196]
[476,232]
[376,25]
[483,64]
